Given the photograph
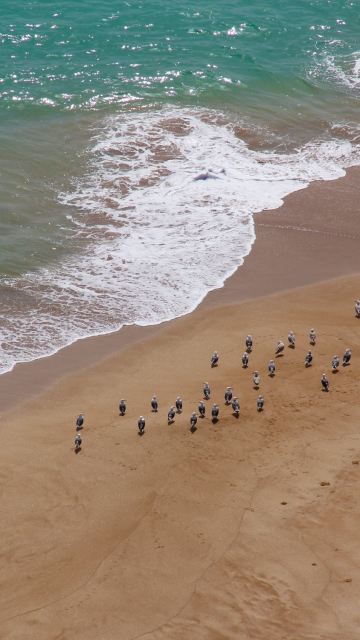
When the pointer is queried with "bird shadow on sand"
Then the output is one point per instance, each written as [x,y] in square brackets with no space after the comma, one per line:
[335,371]
[141,433]
[77,450]
[193,429]
[279,355]
[256,387]
[291,346]
[214,365]
[214,420]
[325,390]
[236,415]
[170,422]
[271,375]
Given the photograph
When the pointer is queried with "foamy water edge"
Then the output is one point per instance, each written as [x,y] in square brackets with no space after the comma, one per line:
[164,215]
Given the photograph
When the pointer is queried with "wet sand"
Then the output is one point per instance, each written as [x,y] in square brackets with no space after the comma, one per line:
[244,529]
[314,236]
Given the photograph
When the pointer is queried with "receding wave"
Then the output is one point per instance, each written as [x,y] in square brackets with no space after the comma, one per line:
[163,215]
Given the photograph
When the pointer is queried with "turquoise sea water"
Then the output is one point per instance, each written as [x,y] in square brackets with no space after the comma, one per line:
[110,111]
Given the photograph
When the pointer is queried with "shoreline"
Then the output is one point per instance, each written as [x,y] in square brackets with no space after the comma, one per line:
[245,528]
[319,247]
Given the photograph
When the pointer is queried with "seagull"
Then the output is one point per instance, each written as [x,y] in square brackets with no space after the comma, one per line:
[357,307]
[245,360]
[235,406]
[260,403]
[335,363]
[325,382]
[201,409]
[122,407]
[171,414]
[178,405]
[154,404]
[312,336]
[206,390]
[193,421]
[215,412]
[78,441]
[308,359]
[256,379]
[346,357]
[228,395]
[291,339]
[141,424]
[272,367]
[249,343]
[79,422]
[214,359]
[279,348]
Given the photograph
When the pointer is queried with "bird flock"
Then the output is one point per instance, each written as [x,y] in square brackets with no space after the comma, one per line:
[228,395]
[229,399]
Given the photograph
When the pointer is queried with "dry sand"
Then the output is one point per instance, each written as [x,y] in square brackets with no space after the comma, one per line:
[228,532]
[223,533]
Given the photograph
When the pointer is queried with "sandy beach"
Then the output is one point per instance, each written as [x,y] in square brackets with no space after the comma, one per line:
[246,528]
[312,238]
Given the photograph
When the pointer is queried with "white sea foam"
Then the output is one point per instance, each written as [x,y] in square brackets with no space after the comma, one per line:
[163,215]
[343,71]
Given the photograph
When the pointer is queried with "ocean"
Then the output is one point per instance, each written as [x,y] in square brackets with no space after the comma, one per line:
[138,140]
